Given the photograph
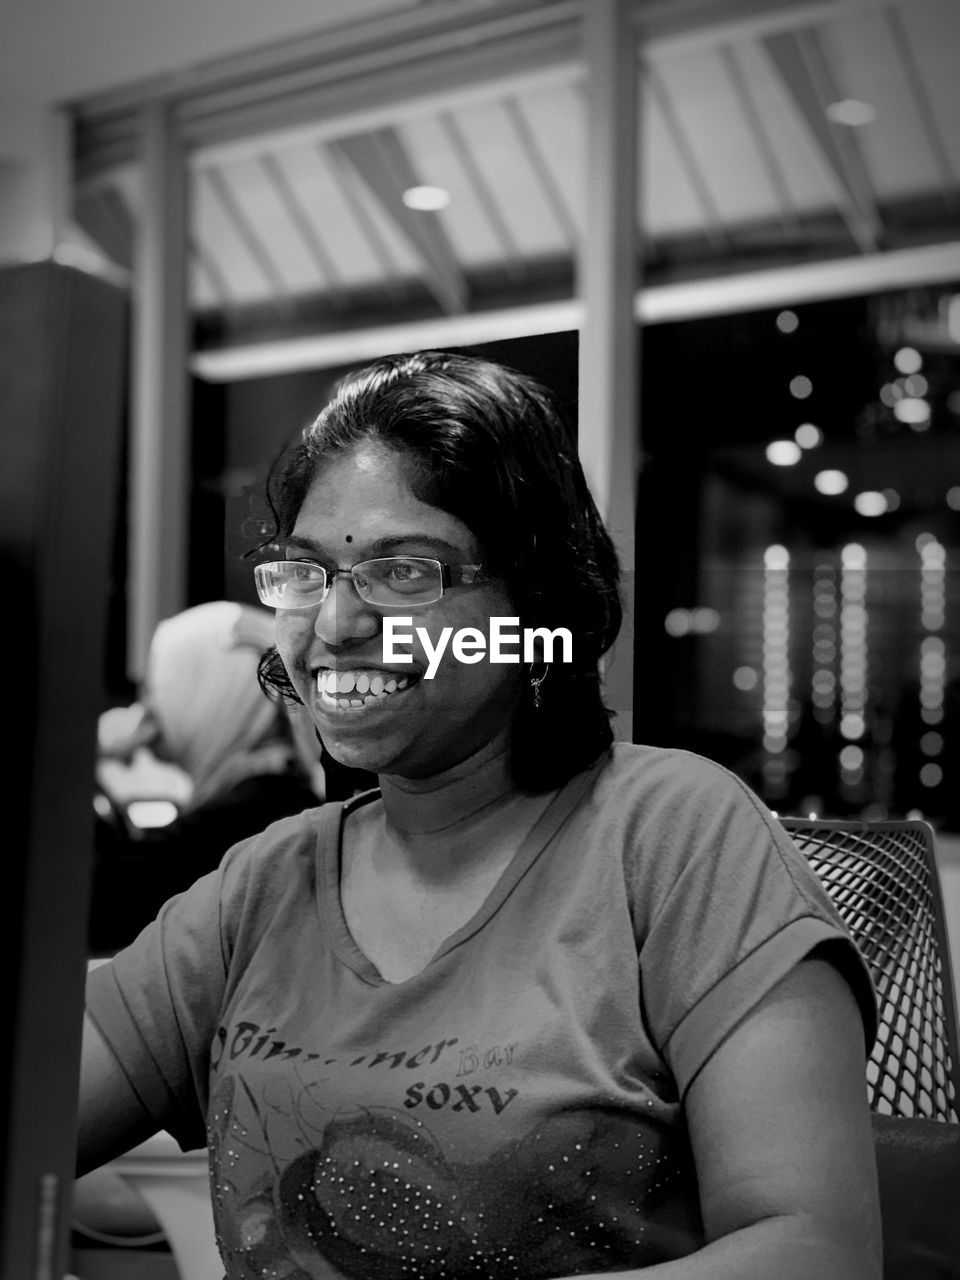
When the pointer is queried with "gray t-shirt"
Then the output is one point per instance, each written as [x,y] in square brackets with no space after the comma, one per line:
[515,1109]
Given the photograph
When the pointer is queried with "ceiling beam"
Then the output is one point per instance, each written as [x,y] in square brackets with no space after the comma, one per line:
[676,28]
[691,300]
[340,80]
[767,152]
[485,194]
[803,68]
[350,185]
[368,47]
[924,107]
[710,214]
[380,159]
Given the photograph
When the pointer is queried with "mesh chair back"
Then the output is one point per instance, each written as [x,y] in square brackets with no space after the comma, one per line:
[882,877]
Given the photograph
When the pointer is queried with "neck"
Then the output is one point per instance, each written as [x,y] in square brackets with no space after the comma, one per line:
[464,823]
[420,808]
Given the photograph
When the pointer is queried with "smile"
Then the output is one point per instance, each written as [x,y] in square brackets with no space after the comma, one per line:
[351,690]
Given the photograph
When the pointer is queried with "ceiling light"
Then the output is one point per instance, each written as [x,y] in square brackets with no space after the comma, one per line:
[851,112]
[870,503]
[830,483]
[787,321]
[801,387]
[783,453]
[426,199]
[808,436]
[953,497]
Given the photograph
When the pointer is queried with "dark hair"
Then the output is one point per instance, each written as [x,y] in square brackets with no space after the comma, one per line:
[488,445]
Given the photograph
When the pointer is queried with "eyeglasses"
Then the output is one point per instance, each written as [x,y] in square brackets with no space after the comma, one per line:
[397,581]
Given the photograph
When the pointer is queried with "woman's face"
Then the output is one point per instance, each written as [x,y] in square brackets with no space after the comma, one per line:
[360,506]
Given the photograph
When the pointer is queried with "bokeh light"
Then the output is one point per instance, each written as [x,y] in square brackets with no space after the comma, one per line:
[808,436]
[783,453]
[870,503]
[745,679]
[830,482]
[908,360]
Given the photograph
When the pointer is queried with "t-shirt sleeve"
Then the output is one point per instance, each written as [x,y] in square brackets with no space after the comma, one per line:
[157,1002]
[730,908]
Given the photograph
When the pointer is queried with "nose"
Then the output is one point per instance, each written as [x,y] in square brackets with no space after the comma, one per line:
[344,617]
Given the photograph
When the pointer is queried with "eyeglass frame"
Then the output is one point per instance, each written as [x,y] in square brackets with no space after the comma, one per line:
[446,580]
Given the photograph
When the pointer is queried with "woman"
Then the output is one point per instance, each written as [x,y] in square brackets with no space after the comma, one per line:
[540,1006]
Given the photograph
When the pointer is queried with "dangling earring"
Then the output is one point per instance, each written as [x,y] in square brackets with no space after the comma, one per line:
[536,682]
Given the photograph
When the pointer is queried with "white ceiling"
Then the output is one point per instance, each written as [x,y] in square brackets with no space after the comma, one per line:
[60,49]
[298,227]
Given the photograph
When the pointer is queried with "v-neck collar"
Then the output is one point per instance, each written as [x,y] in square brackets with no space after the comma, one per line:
[329,860]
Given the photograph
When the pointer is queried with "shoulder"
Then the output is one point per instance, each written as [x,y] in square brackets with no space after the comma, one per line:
[679,817]
[279,861]
[660,784]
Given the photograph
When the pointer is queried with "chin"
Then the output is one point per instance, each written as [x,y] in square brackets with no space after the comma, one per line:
[372,754]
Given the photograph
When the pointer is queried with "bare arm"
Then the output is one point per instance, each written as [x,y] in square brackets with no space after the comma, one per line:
[111,1117]
[783,1145]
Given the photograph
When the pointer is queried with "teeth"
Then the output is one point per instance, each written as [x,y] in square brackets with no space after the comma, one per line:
[334,686]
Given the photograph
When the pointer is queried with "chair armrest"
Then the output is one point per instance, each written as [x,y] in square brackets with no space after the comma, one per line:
[918,1162]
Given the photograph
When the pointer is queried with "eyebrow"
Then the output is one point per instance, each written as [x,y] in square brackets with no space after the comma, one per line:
[386,546]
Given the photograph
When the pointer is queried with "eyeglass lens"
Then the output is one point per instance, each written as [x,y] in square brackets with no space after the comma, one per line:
[292,584]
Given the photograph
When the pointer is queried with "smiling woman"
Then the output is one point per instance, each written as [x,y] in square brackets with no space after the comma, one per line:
[479,464]
[539,1005]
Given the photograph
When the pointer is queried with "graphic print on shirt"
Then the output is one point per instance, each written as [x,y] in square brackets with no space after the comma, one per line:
[391,1188]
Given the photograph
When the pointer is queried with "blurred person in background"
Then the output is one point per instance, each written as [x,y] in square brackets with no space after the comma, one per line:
[202,760]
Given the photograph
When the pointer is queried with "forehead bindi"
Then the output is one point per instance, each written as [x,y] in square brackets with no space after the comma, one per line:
[364,500]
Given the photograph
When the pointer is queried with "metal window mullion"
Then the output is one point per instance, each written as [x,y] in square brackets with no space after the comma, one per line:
[159,428]
[608,269]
